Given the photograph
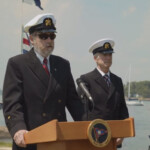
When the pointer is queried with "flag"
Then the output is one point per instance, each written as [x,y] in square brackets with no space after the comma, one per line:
[36,2]
[26,45]
[99,132]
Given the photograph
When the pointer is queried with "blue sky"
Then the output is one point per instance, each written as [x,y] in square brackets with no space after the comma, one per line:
[79,24]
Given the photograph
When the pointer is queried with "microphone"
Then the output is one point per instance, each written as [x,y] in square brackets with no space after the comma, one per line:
[84,89]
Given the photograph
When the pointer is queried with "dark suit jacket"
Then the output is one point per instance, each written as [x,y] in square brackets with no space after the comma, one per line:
[31,98]
[109,103]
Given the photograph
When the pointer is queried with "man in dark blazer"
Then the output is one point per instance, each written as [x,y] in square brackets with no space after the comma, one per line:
[105,88]
[36,91]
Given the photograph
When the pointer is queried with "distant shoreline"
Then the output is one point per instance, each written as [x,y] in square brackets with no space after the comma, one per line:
[140,99]
[144,99]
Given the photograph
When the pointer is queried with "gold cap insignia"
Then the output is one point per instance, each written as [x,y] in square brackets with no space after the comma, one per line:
[106,45]
[48,22]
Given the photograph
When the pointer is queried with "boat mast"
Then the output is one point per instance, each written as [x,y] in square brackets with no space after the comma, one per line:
[129,82]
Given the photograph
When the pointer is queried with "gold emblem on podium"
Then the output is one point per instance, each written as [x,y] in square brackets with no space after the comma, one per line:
[99,133]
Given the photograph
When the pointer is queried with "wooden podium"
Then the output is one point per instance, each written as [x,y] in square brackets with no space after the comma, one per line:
[56,135]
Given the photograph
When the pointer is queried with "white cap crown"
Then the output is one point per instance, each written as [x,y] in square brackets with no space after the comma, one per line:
[38,20]
[102,46]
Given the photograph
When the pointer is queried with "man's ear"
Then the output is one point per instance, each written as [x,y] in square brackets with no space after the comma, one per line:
[95,58]
[31,39]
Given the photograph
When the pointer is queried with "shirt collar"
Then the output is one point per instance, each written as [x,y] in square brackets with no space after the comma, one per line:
[102,73]
[41,58]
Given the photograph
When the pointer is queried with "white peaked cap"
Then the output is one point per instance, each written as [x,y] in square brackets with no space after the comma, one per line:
[102,46]
[39,19]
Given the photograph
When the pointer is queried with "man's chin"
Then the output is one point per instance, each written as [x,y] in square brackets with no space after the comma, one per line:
[48,51]
[107,66]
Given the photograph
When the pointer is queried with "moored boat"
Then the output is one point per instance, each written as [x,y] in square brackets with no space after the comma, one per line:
[134,103]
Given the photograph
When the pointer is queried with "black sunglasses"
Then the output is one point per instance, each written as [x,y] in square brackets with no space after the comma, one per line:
[45,36]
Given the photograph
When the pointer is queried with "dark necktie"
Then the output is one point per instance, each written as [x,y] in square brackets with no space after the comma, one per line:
[45,65]
[106,78]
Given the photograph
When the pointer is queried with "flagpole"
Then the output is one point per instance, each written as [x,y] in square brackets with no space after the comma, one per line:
[25,40]
[22,27]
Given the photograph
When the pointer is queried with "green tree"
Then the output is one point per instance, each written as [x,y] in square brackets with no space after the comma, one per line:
[141,88]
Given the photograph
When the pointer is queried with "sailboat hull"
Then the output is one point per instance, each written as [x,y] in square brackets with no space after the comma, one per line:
[134,103]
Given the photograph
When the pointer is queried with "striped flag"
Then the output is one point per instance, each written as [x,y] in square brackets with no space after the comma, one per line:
[26,45]
[36,2]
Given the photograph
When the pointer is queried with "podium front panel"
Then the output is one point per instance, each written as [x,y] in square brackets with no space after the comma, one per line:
[52,146]
[74,145]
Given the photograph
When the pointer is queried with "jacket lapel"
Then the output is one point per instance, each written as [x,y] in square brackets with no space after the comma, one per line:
[99,79]
[37,68]
[112,86]
[54,74]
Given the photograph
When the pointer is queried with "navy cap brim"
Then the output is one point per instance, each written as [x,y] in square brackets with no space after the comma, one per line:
[42,28]
[48,30]
[107,52]
[101,50]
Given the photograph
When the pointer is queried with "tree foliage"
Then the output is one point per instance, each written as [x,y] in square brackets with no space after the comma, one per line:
[142,89]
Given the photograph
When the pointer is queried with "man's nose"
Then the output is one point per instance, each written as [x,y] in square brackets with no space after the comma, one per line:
[49,39]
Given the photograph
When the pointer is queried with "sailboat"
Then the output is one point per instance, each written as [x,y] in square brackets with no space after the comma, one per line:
[130,100]
[134,103]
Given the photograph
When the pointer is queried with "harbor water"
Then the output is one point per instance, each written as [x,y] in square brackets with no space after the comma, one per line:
[141,115]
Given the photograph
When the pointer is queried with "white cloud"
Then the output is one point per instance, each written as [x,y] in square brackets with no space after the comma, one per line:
[44,3]
[129,11]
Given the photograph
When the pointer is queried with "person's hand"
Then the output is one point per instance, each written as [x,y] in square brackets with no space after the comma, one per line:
[119,141]
[19,138]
